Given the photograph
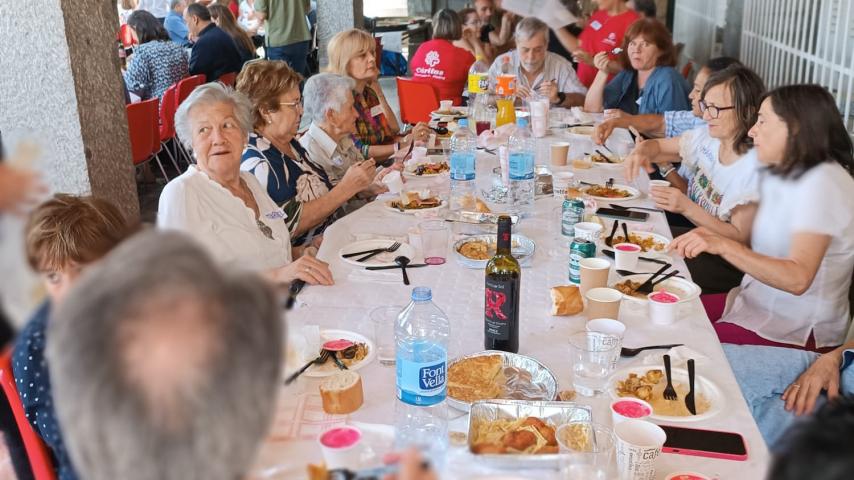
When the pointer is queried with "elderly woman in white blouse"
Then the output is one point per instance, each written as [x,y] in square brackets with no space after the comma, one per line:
[224,209]
[328,102]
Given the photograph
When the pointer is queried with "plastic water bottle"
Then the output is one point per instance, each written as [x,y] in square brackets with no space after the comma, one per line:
[421,419]
[463,153]
[522,149]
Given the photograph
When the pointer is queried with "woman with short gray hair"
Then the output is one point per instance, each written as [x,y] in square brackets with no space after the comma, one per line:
[224,209]
[328,102]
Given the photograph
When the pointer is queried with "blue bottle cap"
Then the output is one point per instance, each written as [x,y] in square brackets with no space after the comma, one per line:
[422,294]
[463,122]
[522,122]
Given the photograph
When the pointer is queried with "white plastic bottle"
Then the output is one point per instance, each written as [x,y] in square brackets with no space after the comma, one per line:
[463,154]
[522,180]
[421,418]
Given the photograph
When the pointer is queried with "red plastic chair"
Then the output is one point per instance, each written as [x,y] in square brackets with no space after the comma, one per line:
[186,87]
[143,129]
[125,36]
[37,451]
[417,100]
[228,79]
[686,70]
[167,125]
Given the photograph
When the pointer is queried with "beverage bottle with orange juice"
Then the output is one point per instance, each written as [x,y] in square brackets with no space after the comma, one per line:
[505,89]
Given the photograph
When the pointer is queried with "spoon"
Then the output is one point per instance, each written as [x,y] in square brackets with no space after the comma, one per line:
[403,262]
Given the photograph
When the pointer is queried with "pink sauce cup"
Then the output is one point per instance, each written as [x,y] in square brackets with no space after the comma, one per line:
[626,256]
[629,408]
[341,447]
[663,307]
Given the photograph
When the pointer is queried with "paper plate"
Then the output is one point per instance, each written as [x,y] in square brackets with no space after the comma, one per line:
[686,290]
[634,194]
[387,204]
[329,368]
[702,385]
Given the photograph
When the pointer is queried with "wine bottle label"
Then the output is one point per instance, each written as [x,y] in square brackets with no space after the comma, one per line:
[499,308]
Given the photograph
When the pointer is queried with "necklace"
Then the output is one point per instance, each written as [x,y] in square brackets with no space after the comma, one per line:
[248,200]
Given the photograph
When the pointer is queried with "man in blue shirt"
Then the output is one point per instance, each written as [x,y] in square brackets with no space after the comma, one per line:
[174,23]
[214,52]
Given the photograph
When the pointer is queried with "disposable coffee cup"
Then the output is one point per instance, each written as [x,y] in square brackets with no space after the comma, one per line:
[588,231]
[561,182]
[615,329]
[594,271]
[638,447]
[626,255]
[558,153]
[603,303]
[341,447]
[663,307]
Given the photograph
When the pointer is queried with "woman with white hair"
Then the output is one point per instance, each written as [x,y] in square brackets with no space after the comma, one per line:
[224,209]
[328,102]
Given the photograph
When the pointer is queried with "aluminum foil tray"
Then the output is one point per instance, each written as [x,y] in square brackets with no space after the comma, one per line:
[528,379]
[522,248]
[555,413]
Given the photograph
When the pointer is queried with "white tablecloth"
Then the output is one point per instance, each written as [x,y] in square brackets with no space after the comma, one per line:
[458,291]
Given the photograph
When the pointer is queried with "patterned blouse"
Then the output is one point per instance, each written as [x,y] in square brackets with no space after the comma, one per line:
[290,182]
[32,380]
[154,67]
[370,129]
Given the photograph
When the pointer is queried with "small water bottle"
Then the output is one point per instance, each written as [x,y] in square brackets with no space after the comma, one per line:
[522,179]
[421,334]
[463,153]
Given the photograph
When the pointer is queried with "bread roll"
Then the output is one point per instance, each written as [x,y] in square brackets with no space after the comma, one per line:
[566,300]
[341,393]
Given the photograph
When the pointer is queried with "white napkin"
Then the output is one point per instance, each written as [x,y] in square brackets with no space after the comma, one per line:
[390,276]
[679,357]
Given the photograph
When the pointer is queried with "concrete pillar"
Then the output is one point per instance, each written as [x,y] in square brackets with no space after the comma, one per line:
[61,86]
[732,29]
[334,16]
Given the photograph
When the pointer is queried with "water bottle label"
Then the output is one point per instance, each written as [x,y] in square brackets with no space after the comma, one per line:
[421,383]
[462,166]
[521,166]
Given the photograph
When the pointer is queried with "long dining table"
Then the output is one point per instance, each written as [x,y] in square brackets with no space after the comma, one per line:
[458,291]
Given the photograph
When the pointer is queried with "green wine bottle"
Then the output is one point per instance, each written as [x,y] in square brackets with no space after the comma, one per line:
[501,307]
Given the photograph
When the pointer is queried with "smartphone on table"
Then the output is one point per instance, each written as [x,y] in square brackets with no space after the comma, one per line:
[704,443]
[630,215]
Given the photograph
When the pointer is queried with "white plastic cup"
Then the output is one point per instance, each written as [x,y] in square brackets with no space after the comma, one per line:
[341,447]
[606,325]
[626,256]
[588,231]
[628,408]
[663,307]
[638,447]
[393,181]
[561,182]
[603,303]
[419,153]
[659,183]
[445,105]
[539,117]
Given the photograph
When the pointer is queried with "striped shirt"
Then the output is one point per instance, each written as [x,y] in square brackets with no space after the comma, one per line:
[677,122]
[555,68]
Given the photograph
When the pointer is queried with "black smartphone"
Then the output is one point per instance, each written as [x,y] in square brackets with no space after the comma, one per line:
[384,163]
[622,214]
[704,443]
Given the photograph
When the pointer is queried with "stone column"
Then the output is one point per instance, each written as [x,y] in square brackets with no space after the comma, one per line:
[61,87]
[334,16]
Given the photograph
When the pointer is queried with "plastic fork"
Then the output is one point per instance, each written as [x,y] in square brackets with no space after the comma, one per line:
[633,352]
[651,285]
[324,356]
[391,248]
[669,391]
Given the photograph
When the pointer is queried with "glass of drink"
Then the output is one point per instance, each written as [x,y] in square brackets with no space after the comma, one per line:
[506,112]
[586,451]
[384,319]
[434,241]
[593,356]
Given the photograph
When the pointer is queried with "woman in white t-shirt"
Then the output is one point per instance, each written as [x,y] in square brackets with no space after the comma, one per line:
[718,164]
[224,209]
[799,264]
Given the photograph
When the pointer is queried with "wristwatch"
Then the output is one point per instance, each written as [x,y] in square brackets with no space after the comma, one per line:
[561,97]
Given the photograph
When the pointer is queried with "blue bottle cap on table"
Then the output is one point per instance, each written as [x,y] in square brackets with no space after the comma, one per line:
[463,122]
[421,294]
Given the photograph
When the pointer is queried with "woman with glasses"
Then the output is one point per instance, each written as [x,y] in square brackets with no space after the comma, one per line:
[718,162]
[471,36]
[297,184]
[226,210]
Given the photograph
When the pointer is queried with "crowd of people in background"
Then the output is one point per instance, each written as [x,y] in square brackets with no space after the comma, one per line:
[761,204]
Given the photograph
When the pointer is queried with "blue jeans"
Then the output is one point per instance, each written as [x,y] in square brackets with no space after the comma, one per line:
[294,54]
[763,374]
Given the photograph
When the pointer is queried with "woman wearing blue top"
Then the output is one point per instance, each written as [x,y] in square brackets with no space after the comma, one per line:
[158,62]
[63,236]
[648,82]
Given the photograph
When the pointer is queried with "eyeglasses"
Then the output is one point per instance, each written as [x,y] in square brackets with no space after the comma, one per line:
[295,105]
[714,111]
